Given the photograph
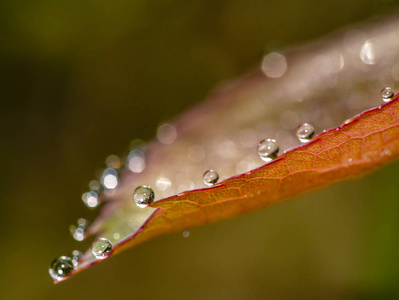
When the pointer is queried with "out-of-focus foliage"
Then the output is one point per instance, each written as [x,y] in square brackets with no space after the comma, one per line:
[80,79]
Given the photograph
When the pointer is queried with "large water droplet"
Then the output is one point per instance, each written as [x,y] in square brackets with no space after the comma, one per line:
[387,94]
[61,267]
[305,132]
[90,199]
[101,248]
[210,177]
[268,149]
[76,256]
[78,230]
[143,195]
[109,179]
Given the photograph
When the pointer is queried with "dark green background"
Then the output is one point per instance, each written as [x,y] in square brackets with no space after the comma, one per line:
[80,79]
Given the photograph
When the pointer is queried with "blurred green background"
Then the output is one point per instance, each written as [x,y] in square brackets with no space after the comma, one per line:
[80,79]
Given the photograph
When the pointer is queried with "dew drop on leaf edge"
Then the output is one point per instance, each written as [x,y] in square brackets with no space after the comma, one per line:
[61,267]
[210,177]
[268,149]
[305,132]
[143,195]
[101,248]
[387,94]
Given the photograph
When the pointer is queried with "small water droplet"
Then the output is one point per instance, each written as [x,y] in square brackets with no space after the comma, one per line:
[186,234]
[305,132]
[90,199]
[76,256]
[143,195]
[387,94]
[109,179]
[268,149]
[61,267]
[210,177]
[78,230]
[101,248]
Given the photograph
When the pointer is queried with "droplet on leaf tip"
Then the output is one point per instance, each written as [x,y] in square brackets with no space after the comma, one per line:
[101,248]
[143,196]
[61,267]
[387,94]
[305,132]
[268,149]
[210,177]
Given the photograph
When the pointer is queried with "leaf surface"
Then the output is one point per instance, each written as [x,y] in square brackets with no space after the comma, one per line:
[325,84]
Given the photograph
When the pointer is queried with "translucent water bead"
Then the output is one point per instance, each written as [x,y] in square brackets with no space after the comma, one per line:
[387,94]
[143,195]
[210,177]
[101,248]
[61,267]
[268,149]
[305,132]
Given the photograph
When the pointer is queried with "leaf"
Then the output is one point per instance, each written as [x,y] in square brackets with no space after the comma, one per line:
[323,84]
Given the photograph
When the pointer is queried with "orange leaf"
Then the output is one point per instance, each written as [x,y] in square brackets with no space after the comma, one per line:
[365,142]
[324,82]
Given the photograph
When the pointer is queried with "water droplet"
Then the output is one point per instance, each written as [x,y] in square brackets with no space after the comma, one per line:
[109,179]
[305,132]
[186,234]
[90,199]
[143,195]
[268,149]
[210,177]
[61,267]
[76,256]
[101,248]
[78,231]
[387,94]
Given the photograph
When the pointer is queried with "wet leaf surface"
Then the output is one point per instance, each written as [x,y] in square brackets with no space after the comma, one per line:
[325,83]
